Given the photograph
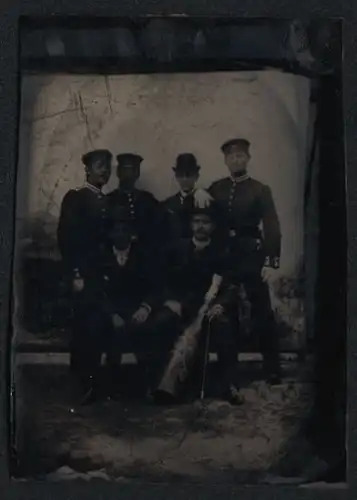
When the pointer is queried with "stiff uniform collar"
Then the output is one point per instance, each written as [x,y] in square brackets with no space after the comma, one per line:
[92,188]
[242,178]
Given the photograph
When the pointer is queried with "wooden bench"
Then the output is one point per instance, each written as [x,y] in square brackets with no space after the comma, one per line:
[31,344]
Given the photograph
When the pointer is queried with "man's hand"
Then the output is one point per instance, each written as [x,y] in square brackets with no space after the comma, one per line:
[174,306]
[141,315]
[270,270]
[269,274]
[78,284]
[215,311]
[202,198]
[118,321]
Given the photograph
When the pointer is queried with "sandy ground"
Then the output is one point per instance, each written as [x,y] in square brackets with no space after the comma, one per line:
[129,439]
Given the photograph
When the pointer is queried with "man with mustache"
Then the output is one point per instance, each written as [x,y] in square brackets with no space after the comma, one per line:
[82,229]
[191,264]
[247,204]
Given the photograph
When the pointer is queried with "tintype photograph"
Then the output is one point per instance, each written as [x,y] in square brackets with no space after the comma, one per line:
[166,254]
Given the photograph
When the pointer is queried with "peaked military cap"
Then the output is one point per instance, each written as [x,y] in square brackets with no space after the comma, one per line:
[241,144]
[186,163]
[95,155]
[129,159]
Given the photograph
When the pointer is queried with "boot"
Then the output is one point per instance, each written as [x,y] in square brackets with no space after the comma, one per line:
[272,374]
[272,371]
[92,389]
[228,369]
[229,392]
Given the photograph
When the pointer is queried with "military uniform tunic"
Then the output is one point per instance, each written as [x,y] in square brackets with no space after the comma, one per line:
[143,209]
[81,236]
[247,204]
[82,229]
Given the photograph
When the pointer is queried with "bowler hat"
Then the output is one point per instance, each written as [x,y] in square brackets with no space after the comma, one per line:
[130,159]
[241,144]
[98,154]
[186,163]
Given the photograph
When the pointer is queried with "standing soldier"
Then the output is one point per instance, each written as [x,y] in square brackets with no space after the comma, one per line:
[248,204]
[82,227]
[142,206]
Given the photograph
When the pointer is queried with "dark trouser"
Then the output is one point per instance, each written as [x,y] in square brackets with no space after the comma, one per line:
[162,331]
[263,320]
[94,334]
[223,339]
[91,336]
[153,342]
[246,268]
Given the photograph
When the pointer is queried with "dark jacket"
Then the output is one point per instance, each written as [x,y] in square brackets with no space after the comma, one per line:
[144,210]
[246,205]
[177,211]
[82,230]
[190,272]
[128,286]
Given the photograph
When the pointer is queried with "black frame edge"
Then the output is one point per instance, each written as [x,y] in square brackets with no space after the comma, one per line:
[9,103]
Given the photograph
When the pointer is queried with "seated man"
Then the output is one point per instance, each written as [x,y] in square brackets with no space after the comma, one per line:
[192,266]
[115,303]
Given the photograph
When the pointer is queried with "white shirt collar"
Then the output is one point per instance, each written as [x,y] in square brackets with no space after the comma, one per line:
[200,245]
[122,255]
[184,194]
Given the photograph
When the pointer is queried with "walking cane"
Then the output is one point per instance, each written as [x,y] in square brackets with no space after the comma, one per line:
[202,395]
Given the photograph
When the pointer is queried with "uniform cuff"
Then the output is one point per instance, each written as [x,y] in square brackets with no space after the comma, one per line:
[273,262]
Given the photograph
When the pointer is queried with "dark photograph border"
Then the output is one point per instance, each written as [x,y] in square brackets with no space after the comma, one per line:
[332,199]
